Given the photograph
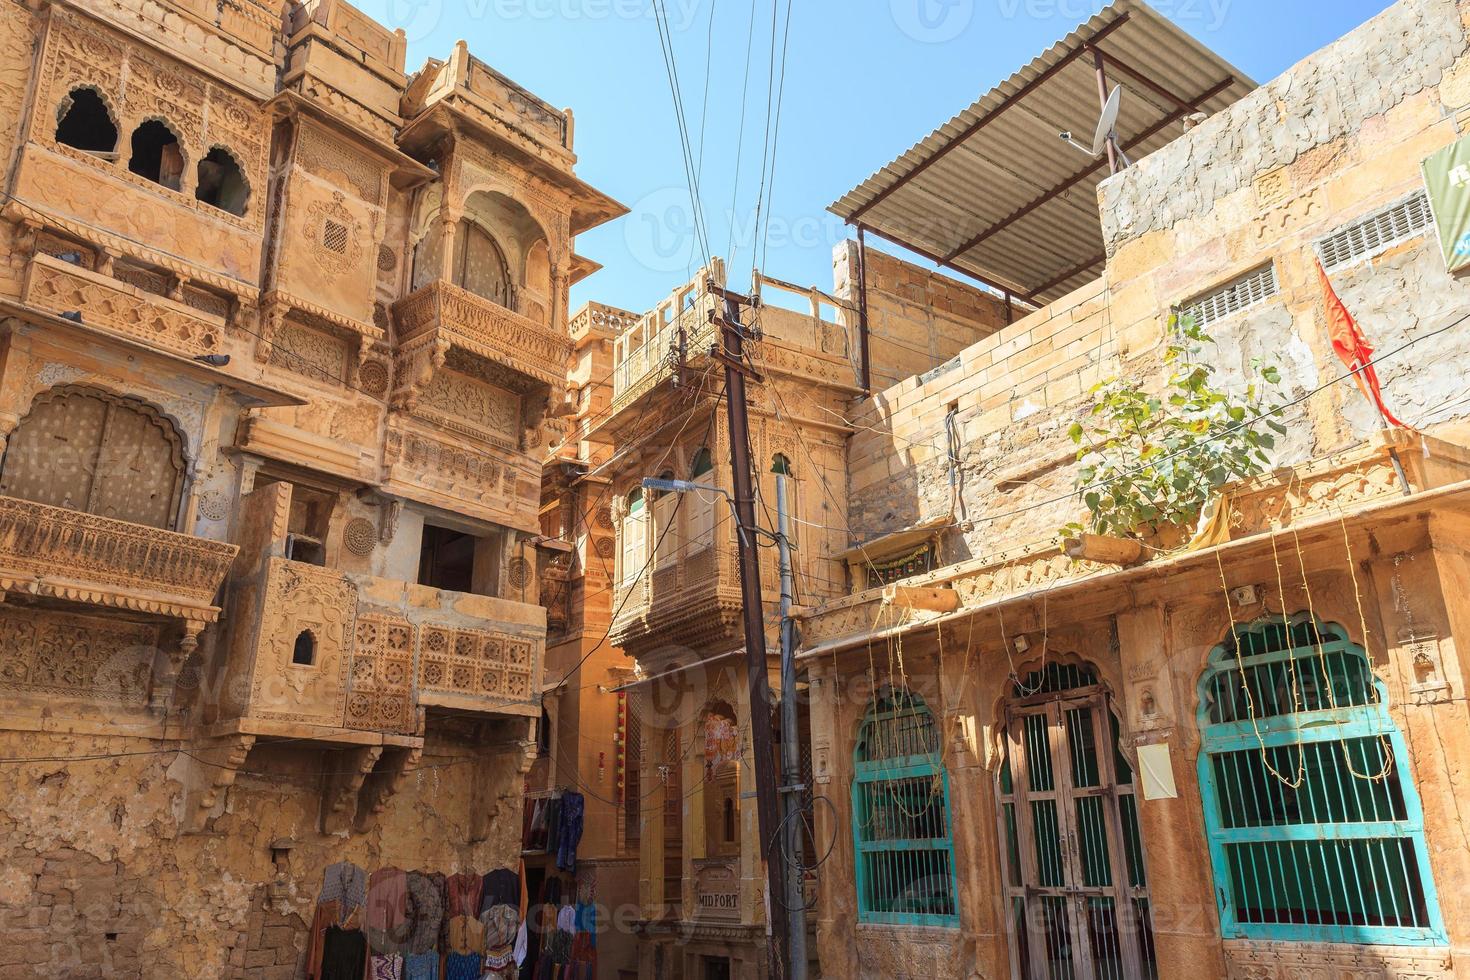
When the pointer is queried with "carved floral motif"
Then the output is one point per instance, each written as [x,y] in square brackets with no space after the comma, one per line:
[478,663]
[93,657]
[380,688]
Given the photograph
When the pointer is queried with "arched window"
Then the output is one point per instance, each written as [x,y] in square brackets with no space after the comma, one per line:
[157,155]
[83,121]
[537,298]
[99,453]
[634,535]
[702,505]
[721,781]
[665,525]
[900,816]
[1315,828]
[428,255]
[221,183]
[480,265]
[303,651]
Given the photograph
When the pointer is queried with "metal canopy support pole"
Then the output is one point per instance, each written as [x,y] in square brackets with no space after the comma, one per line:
[759,686]
[862,283]
[1102,102]
[791,787]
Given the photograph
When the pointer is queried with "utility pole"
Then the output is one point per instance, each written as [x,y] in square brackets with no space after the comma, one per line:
[730,352]
[791,788]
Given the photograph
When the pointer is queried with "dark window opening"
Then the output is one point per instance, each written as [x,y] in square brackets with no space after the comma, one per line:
[84,122]
[307,521]
[156,155]
[543,736]
[716,968]
[729,821]
[303,653]
[221,183]
[447,559]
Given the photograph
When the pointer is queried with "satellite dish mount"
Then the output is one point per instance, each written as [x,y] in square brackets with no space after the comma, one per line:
[1106,132]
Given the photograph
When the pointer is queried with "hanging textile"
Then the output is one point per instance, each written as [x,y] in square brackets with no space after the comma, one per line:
[501,887]
[466,935]
[344,954]
[462,966]
[462,894]
[327,914]
[387,910]
[346,884]
[421,966]
[570,835]
[425,912]
[385,966]
[721,742]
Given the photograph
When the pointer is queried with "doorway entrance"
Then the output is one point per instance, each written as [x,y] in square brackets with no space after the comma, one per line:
[1075,886]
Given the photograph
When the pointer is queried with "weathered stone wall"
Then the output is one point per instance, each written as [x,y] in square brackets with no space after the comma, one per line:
[97,879]
[917,319]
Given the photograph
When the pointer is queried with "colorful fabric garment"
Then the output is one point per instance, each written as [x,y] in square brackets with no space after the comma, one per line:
[500,964]
[344,954]
[385,966]
[327,914]
[569,835]
[466,935]
[462,894]
[500,923]
[501,887]
[421,966]
[425,913]
[345,883]
[387,910]
[462,966]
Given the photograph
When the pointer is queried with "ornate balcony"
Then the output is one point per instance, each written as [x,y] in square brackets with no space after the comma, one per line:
[110,306]
[441,315]
[65,554]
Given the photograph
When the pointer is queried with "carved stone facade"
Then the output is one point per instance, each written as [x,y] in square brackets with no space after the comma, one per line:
[268,551]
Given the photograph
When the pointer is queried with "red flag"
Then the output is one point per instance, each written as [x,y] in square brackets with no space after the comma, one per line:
[1354,350]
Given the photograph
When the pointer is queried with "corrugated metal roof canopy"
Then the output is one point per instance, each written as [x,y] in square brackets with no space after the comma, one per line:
[995,194]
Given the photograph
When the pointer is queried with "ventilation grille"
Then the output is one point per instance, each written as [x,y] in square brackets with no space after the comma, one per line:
[1376,233]
[1251,289]
[334,236]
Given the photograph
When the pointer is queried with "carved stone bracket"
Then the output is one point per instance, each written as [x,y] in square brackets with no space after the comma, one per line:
[207,771]
[342,783]
[168,663]
[384,782]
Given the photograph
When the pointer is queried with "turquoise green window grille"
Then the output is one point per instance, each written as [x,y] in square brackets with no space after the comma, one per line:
[901,821]
[1329,848]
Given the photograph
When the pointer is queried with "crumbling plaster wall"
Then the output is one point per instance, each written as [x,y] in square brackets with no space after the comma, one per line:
[97,880]
[1334,139]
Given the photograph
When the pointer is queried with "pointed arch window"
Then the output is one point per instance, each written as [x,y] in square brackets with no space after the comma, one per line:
[665,528]
[701,504]
[901,826]
[83,121]
[480,265]
[1330,847]
[633,533]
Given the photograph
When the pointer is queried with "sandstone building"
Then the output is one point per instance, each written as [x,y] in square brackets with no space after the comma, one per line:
[282,328]
[1231,756]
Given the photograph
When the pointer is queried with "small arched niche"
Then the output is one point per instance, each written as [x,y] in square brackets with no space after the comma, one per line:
[221,183]
[157,155]
[84,122]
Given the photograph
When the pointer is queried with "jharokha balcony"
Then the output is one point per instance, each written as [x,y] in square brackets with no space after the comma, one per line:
[66,554]
[440,315]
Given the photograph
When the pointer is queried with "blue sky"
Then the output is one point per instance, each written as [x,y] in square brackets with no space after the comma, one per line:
[865,79]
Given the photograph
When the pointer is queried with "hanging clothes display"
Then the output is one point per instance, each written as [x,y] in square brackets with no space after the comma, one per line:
[462,894]
[421,966]
[385,966]
[569,835]
[327,914]
[501,922]
[387,910]
[346,884]
[462,966]
[501,887]
[344,954]
[425,912]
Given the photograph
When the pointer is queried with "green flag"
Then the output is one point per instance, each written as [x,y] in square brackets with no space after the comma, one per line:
[1447,175]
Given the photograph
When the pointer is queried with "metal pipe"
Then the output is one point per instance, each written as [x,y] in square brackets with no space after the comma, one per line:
[1102,102]
[862,271]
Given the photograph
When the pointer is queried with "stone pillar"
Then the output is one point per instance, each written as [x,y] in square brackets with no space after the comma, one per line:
[1175,852]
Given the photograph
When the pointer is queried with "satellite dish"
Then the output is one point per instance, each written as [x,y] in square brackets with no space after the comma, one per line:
[1108,123]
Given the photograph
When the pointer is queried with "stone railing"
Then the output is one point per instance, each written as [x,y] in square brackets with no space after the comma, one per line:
[641,353]
[107,305]
[484,328]
[67,554]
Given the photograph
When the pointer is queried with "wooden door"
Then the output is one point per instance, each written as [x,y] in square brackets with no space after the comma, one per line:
[1074,875]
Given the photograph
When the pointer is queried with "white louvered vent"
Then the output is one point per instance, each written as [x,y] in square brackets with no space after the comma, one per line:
[1376,233]
[1249,290]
